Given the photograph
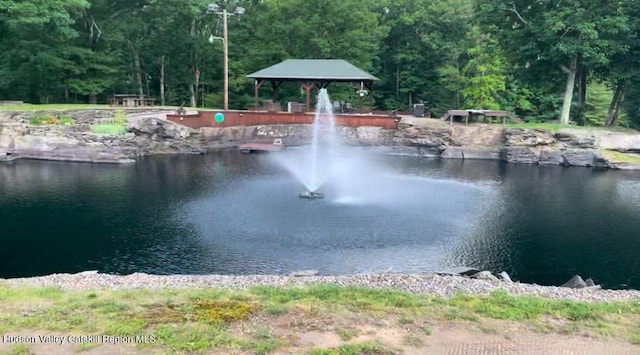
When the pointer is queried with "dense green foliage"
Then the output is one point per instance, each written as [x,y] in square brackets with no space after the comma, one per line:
[540,59]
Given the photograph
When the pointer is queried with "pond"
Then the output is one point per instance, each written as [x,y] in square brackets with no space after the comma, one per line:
[229,213]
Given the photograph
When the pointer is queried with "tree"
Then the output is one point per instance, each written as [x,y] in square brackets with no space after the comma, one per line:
[557,36]
[34,46]
[484,74]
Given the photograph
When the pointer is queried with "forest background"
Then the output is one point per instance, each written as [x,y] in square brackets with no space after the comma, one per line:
[569,60]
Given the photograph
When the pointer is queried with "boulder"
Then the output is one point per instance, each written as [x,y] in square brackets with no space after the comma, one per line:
[475,154]
[620,142]
[452,153]
[550,157]
[304,273]
[527,137]
[579,157]
[157,127]
[484,275]
[459,271]
[370,135]
[504,276]
[575,282]
[518,155]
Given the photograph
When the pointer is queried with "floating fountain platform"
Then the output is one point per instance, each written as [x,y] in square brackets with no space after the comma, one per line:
[311,195]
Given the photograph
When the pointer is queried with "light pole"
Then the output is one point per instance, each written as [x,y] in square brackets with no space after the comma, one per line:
[214,8]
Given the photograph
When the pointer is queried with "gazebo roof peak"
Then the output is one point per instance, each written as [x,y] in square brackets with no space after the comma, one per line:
[314,70]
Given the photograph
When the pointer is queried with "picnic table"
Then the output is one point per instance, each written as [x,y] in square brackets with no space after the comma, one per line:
[129,100]
[488,114]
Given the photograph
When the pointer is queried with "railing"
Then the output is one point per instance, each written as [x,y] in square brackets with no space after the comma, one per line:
[259,118]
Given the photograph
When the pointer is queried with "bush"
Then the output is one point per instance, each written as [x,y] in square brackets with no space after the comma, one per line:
[112,125]
[40,120]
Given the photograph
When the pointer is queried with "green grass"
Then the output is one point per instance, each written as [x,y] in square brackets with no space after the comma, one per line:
[108,128]
[64,107]
[618,157]
[553,127]
[354,349]
[347,333]
[52,107]
[199,320]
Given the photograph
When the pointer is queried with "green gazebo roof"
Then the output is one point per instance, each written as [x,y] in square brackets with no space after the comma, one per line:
[313,69]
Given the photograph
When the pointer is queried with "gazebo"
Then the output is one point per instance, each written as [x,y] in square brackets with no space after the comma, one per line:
[314,72]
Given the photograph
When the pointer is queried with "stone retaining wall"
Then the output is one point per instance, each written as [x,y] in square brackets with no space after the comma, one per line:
[148,133]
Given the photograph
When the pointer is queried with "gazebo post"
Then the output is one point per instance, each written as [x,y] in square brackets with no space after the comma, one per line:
[274,91]
[370,84]
[256,88]
[307,88]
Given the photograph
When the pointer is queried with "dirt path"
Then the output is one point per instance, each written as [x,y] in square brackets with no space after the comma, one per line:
[303,335]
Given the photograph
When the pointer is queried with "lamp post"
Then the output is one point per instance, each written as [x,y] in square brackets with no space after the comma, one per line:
[214,8]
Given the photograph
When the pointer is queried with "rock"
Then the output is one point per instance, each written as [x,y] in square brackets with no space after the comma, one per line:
[437,138]
[550,157]
[589,282]
[151,125]
[575,282]
[304,273]
[599,161]
[620,142]
[579,157]
[459,271]
[475,154]
[484,275]
[518,155]
[452,153]
[369,135]
[527,137]
[504,276]
[623,166]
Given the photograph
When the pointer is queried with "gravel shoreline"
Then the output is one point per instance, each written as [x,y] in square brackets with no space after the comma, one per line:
[445,286]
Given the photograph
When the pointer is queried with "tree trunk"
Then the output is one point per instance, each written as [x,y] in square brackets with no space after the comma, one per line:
[162,81]
[93,99]
[398,73]
[193,88]
[137,66]
[616,101]
[568,90]
[582,94]
[192,98]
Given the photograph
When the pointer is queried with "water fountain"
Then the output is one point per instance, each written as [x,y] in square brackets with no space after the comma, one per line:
[312,166]
[347,172]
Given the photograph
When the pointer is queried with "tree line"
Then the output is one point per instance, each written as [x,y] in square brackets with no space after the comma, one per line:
[542,59]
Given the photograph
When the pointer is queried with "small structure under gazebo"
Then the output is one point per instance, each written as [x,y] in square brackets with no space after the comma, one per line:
[311,73]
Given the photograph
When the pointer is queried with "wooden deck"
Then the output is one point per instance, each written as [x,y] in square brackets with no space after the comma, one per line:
[258,147]
[234,118]
[248,148]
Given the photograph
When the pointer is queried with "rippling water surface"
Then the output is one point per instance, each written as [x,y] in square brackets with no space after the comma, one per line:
[229,213]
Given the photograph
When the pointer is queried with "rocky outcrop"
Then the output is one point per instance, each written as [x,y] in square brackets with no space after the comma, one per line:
[626,143]
[146,135]
[531,146]
[426,140]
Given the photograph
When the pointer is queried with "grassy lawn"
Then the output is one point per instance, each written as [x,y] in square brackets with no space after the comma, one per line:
[553,127]
[618,157]
[52,107]
[65,107]
[198,321]
[556,127]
